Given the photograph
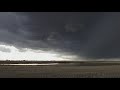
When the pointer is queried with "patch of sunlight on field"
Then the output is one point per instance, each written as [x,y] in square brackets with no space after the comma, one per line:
[30,64]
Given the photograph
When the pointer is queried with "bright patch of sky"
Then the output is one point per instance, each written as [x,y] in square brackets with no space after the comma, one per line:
[29,54]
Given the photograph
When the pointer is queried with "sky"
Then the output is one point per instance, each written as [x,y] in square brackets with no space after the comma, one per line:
[59,35]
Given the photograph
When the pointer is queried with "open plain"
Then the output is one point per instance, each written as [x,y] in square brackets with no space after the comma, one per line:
[24,69]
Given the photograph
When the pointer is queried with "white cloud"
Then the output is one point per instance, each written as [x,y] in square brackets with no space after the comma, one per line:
[29,54]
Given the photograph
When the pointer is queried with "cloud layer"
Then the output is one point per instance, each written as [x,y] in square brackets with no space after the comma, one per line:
[85,34]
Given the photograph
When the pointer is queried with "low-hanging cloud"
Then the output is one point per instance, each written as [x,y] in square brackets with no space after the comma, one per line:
[3,49]
[85,34]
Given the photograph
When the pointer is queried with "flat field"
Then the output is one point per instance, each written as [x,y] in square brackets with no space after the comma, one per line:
[62,69]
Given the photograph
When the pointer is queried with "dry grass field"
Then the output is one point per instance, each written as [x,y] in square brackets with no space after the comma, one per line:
[62,70]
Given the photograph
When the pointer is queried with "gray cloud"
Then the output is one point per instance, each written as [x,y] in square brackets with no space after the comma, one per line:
[85,34]
[3,49]
[74,27]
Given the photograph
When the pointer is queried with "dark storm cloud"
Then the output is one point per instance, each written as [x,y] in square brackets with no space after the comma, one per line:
[85,34]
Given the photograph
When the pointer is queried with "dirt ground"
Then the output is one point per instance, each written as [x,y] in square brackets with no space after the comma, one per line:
[60,71]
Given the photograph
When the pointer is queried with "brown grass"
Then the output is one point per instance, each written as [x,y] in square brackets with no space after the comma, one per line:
[60,71]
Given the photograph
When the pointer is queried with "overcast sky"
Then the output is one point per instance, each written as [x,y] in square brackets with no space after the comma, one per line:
[71,35]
